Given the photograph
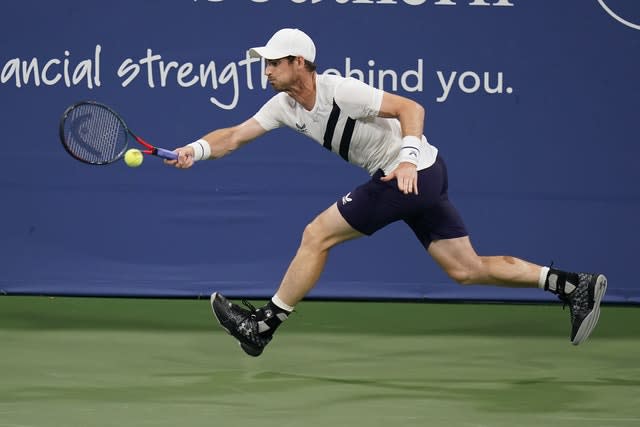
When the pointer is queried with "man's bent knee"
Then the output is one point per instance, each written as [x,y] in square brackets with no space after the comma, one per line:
[327,230]
[462,276]
[468,274]
[471,273]
[314,236]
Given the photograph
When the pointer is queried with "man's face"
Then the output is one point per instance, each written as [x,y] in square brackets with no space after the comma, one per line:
[281,73]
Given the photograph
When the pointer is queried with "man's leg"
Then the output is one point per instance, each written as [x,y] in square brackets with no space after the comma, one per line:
[324,232]
[460,261]
[254,328]
[583,292]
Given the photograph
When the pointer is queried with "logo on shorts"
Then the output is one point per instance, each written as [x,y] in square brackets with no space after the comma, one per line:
[346,199]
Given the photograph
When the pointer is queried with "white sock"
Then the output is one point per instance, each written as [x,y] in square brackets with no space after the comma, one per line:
[279,303]
[543,277]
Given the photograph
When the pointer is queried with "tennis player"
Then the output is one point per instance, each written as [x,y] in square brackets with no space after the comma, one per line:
[382,133]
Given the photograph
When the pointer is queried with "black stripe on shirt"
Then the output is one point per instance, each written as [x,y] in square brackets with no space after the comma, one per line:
[331,126]
[345,141]
[347,133]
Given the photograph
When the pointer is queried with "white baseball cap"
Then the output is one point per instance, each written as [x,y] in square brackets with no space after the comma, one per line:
[286,42]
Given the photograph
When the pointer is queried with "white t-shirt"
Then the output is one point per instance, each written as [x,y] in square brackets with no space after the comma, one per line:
[345,119]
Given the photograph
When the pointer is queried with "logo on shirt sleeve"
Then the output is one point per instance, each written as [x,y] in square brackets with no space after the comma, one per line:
[301,128]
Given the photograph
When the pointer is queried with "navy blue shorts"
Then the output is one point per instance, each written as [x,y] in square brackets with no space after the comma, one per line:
[430,214]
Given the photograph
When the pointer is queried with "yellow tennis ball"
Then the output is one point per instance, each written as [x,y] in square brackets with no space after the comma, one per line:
[133,157]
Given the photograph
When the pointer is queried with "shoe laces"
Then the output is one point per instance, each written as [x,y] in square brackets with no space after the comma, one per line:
[253,311]
[240,314]
[258,338]
[250,306]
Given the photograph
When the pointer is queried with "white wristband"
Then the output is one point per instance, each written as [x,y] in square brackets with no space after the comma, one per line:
[201,150]
[410,150]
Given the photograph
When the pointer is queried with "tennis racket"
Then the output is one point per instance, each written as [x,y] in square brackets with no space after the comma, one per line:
[95,134]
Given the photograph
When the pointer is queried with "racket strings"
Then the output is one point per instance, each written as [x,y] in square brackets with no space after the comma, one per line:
[95,134]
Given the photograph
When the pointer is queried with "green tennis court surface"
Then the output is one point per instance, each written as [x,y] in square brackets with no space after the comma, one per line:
[139,362]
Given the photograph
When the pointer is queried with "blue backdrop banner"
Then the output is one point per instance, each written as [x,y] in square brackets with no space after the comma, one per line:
[533,104]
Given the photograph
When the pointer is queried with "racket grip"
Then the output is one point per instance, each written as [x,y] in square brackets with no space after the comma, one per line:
[166,154]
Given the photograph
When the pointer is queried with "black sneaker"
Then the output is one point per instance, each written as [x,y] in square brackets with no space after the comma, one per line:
[241,323]
[584,304]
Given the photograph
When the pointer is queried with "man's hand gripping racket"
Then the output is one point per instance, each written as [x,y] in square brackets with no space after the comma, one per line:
[95,134]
